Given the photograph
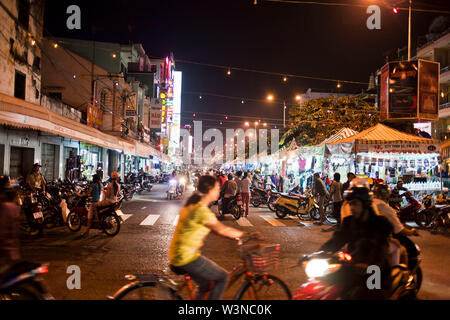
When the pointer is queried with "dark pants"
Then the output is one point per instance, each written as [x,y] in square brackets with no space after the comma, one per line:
[209,277]
[337,211]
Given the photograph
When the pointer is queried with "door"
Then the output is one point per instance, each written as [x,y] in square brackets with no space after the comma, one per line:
[49,162]
[21,162]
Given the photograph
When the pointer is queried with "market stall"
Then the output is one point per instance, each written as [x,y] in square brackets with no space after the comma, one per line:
[336,163]
[388,154]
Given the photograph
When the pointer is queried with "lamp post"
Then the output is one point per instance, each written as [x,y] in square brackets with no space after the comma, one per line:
[409,31]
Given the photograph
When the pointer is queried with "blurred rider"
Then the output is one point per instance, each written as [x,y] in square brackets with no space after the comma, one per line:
[9,225]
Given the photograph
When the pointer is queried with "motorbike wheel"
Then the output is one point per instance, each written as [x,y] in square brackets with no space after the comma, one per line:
[422,219]
[73,222]
[280,213]
[22,292]
[236,212]
[111,224]
[256,203]
[314,213]
[271,206]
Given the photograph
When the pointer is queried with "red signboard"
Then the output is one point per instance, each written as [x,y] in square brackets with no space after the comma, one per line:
[94,116]
[428,89]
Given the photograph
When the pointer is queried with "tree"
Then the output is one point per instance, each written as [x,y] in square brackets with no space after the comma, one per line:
[317,119]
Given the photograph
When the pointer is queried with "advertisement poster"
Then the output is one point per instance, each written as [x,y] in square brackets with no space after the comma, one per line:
[428,89]
[403,77]
[94,116]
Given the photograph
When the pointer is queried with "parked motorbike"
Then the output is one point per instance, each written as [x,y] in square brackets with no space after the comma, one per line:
[258,196]
[301,206]
[234,206]
[127,191]
[108,220]
[327,281]
[32,210]
[21,281]
[273,198]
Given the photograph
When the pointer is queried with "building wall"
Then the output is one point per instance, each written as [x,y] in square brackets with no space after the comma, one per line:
[17,51]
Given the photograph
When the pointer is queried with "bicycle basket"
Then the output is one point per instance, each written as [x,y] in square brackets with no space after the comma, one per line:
[262,258]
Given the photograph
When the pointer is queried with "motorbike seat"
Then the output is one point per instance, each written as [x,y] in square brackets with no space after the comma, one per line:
[177,270]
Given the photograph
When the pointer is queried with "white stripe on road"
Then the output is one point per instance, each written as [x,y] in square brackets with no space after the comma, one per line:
[244,222]
[125,216]
[143,208]
[175,222]
[150,220]
[272,221]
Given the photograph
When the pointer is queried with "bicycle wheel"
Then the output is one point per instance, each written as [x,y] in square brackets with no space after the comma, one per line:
[329,213]
[264,287]
[147,291]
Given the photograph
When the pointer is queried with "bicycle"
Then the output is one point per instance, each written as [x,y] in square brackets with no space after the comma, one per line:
[257,284]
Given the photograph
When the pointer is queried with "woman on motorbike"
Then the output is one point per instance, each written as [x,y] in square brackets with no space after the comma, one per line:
[195,223]
[367,236]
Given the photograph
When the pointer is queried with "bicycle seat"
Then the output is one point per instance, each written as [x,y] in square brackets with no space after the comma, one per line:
[177,270]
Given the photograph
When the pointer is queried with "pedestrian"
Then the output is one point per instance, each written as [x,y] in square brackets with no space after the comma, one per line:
[9,225]
[337,193]
[350,177]
[245,185]
[229,190]
[320,190]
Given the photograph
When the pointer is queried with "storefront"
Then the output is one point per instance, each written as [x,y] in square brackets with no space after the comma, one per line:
[91,159]
[385,153]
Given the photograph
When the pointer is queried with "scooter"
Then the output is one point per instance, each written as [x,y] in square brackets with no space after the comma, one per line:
[21,282]
[172,191]
[327,281]
[301,206]
[408,213]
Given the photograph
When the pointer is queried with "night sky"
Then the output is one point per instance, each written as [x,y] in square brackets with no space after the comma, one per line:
[312,40]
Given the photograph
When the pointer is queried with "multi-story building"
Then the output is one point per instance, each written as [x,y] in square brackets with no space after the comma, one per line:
[438,50]
[75,124]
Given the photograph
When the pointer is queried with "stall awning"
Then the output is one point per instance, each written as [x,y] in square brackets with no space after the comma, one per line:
[341,134]
[381,138]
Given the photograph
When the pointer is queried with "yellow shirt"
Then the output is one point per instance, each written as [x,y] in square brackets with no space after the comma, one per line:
[190,233]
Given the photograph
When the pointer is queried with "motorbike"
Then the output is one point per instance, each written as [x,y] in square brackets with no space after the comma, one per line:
[32,210]
[21,281]
[235,206]
[327,281]
[108,220]
[301,206]
[181,187]
[408,213]
[258,196]
[172,192]
[127,191]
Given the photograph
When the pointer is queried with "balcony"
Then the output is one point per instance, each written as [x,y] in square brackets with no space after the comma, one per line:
[60,108]
[444,77]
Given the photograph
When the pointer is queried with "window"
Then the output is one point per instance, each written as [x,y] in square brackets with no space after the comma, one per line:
[103,98]
[55,95]
[24,13]
[19,85]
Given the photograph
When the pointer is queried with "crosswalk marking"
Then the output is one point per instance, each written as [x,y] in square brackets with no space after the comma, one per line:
[125,216]
[150,220]
[175,222]
[273,221]
[143,208]
[244,222]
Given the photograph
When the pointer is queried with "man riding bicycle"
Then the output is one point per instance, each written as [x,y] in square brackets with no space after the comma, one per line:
[195,223]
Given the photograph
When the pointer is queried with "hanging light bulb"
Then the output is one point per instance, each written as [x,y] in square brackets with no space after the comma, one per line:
[255,2]
[229,72]
[55,45]
[339,85]
[284,79]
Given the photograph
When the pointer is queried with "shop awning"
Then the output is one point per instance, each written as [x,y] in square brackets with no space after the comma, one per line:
[22,114]
[381,138]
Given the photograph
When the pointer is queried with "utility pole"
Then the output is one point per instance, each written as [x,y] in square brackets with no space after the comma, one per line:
[409,31]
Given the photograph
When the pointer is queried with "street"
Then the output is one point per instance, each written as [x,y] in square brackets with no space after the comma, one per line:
[143,242]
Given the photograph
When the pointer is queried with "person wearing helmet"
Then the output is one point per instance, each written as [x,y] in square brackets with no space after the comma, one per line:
[35,179]
[9,225]
[396,198]
[110,197]
[367,236]
[94,191]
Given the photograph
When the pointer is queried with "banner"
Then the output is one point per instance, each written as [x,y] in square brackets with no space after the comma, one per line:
[94,116]
[400,148]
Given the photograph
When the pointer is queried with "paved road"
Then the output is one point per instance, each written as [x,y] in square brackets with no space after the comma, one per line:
[142,247]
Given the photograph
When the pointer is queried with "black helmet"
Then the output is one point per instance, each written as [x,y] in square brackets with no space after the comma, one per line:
[381,190]
[359,190]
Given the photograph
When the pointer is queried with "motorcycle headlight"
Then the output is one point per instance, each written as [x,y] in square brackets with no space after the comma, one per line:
[182,180]
[316,268]
[173,181]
